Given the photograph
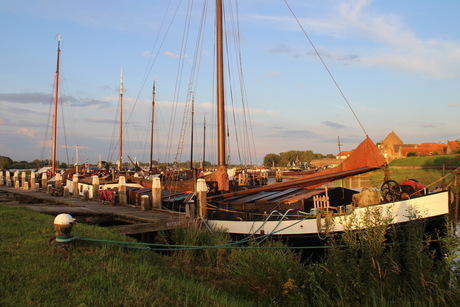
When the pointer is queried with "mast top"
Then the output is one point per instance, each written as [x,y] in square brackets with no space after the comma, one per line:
[121,81]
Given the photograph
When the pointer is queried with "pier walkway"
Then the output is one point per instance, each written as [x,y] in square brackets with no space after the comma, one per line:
[131,218]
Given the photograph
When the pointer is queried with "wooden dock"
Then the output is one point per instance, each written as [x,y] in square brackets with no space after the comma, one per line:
[131,218]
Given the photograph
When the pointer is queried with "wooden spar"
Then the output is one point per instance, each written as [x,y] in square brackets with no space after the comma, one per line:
[221,175]
[192,167]
[151,128]
[305,182]
[121,120]
[204,142]
[191,132]
[220,86]
[56,97]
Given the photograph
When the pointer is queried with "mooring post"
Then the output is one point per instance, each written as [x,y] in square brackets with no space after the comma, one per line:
[16,179]
[122,189]
[65,192]
[145,203]
[95,184]
[75,185]
[58,181]
[201,190]
[23,180]
[32,181]
[156,193]
[44,181]
[8,179]
[2,180]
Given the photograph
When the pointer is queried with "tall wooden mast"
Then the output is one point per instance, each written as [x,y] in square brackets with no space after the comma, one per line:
[221,174]
[56,98]
[151,128]
[220,86]
[121,121]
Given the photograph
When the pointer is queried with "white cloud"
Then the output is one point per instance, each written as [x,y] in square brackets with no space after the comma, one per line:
[26,132]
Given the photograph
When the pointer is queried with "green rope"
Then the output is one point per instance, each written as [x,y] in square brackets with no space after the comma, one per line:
[171,247]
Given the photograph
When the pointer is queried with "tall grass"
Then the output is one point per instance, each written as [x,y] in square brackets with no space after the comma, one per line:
[380,266]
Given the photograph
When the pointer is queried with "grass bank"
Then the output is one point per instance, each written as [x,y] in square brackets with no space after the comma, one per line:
[372,271]
[427,161]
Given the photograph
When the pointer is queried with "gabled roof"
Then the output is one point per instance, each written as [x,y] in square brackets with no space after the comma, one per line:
[392,139]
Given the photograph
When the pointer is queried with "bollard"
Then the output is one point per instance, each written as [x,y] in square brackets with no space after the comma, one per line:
[86,194]
[63,224]
[2,180]
[145,203]
[32,180]
[66,191]
[44,181]
[16,184]
[156,193]
[190,209]
[37,187]
[201,190]
[58,181]
[8,179]
[122,189]
[95,184]
[75,185]
[23,180]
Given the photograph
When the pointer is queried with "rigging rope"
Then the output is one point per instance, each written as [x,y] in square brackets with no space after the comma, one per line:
[325,66]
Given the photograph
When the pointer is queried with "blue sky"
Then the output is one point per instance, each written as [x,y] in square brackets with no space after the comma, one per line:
[397,63]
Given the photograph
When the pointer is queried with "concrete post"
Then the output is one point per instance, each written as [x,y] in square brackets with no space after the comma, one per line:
[156,193]
[23,180]
[44,181]
[201,190]
[122,190]
[85,194]
[32,181]
[16,179]
[145,203]
[8,179]
[95,184]
[75,185]
[58,181]
[66,191]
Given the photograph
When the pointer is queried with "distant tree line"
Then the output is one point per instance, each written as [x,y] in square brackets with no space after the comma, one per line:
[293,158]
[7,163]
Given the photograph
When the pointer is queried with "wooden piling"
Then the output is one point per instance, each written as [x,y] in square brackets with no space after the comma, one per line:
[23,180]
[16,179]
[44,181]
[58,181]
[122,190]
[156,193]
[66,191]
[145,203]
[95,184]
[32,181]
[8,179]
[201,190]
[75,185]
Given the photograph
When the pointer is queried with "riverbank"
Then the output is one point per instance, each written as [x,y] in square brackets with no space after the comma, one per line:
[105,271]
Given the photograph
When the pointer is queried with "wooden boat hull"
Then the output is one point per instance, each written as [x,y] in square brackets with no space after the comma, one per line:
[432,208]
